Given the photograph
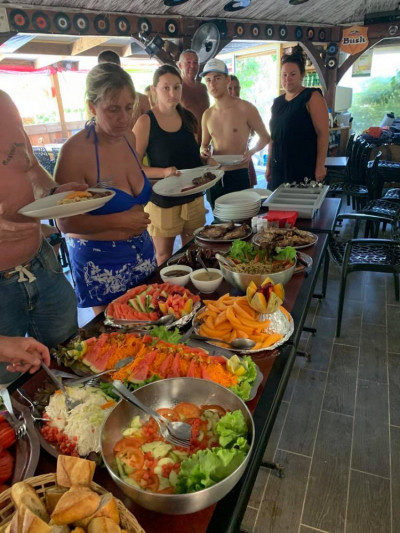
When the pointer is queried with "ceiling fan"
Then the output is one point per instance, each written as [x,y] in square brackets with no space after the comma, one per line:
[206,41]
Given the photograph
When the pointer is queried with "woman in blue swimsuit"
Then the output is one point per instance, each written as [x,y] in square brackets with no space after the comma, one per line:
[110,248]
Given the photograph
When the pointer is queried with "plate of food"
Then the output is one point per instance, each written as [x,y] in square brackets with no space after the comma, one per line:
[190,258]
[284,237]
[228,160]
[148,303]
[191,181]
[67,204]
[75,432]
[232,317]
[223,232]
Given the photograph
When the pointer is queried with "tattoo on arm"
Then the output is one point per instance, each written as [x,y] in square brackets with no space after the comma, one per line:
[11,153]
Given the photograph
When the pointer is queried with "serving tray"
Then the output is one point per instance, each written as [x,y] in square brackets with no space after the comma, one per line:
[305,200]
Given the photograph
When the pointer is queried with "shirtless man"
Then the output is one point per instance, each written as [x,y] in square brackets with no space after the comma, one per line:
[35,298]
[194,93]
[227,124]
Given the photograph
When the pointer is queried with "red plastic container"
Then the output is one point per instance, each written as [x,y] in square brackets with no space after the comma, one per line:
[281,219]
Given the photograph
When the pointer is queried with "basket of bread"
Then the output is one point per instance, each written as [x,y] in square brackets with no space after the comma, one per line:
[66,502]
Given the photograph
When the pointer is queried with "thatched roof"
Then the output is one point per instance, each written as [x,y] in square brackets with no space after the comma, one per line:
[321,12]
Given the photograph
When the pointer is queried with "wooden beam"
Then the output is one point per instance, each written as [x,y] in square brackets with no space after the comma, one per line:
[56,85]
[85,43]
[52,49]
[45,61]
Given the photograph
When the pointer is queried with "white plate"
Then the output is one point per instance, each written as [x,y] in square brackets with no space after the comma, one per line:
[238,198]
[258,237]
[228,160]
[48,208]
[264,193]
[173,186]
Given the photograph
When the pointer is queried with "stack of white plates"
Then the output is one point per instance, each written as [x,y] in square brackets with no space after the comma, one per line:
[237,206]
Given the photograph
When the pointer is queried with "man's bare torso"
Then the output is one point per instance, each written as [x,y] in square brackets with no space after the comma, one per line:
[195,99]
[229,129]
[15,184]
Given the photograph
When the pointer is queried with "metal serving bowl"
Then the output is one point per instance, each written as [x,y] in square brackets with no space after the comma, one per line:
[168,393]
[241,280]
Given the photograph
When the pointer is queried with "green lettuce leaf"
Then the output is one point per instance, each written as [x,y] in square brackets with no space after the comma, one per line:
[285,253]
[231,428]
[245,382]
[168,335]
[206,468]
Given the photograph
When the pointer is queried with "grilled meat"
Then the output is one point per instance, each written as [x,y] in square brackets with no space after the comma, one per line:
[237,233]
[216,231]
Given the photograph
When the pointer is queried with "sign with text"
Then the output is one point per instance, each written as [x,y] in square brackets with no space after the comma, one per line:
[354,39]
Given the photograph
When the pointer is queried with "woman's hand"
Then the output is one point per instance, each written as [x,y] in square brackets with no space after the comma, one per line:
[23,353]
[320,173]
[170,172]
[136,220]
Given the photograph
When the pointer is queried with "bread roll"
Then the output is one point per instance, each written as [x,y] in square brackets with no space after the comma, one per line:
[108,507]
[23,493]
[33,524]
[52,495]
[74,505]
[60,529]
[78,530]
[73,471]
[102,524]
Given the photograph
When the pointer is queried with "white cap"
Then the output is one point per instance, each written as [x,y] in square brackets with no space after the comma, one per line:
[214,65]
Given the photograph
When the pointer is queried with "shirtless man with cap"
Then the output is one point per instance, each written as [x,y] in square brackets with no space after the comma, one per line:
[227,125]
[194,93]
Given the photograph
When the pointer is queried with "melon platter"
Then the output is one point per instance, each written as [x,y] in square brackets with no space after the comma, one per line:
[151,302]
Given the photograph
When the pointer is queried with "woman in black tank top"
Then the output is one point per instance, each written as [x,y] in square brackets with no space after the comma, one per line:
[166,134]
[299,128]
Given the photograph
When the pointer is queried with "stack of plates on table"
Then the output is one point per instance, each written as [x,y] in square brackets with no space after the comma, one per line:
[239,205]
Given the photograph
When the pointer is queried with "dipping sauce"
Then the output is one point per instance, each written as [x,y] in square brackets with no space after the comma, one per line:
[204,276]
[175,273]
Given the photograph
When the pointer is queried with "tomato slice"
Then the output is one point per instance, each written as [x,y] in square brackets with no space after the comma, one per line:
[135,458]
[187,410]
[146,480]
[220,410]
[127,444]
[169,414]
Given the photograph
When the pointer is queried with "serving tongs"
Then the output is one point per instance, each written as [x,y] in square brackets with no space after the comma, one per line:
[132,324]
[69,402]
[177,433]
[92,379]
[18,425]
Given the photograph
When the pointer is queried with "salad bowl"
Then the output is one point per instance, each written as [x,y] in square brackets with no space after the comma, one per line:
[167,394]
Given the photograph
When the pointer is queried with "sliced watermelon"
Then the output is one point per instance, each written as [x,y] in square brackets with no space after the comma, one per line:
[163,371]
[140,373]
[175,368]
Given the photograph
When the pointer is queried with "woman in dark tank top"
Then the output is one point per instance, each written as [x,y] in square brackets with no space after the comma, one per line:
[166,134]
[299,128]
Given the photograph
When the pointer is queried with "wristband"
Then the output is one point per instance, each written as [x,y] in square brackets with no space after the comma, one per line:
[52,190]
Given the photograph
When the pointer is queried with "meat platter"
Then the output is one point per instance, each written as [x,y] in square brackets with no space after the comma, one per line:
[223,232]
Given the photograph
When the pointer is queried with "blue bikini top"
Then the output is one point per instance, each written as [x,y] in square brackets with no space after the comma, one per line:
[122,201]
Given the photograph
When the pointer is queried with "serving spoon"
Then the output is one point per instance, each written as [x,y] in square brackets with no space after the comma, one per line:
[225,260]
[236,344]
[200,260]
[163,321]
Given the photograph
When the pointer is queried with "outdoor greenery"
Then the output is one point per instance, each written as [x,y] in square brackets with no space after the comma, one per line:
[378,97]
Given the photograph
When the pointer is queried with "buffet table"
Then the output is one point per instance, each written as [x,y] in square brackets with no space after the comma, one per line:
[275,366]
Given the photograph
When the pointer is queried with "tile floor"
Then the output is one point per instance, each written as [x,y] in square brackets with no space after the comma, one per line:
[337,433]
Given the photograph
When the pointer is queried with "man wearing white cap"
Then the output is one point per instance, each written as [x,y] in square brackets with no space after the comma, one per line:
[227,125]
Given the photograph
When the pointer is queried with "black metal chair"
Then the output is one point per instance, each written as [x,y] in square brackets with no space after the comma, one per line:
[373,255]
[43,157]
[337,178]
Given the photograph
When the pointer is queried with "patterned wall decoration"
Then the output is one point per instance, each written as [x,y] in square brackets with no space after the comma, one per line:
[31,20]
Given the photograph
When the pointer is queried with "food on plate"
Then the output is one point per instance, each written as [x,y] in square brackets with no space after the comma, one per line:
[150,302]
[81,196]
[190,258]
[251,259]
[282,237]
[224,231]
[156,359]
[218,445]
[202,180]
[7,440]
[231,317]
[79,509]
[76,432]
[267,298]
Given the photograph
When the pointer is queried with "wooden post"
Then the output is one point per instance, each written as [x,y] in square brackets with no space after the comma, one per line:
[56,85]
